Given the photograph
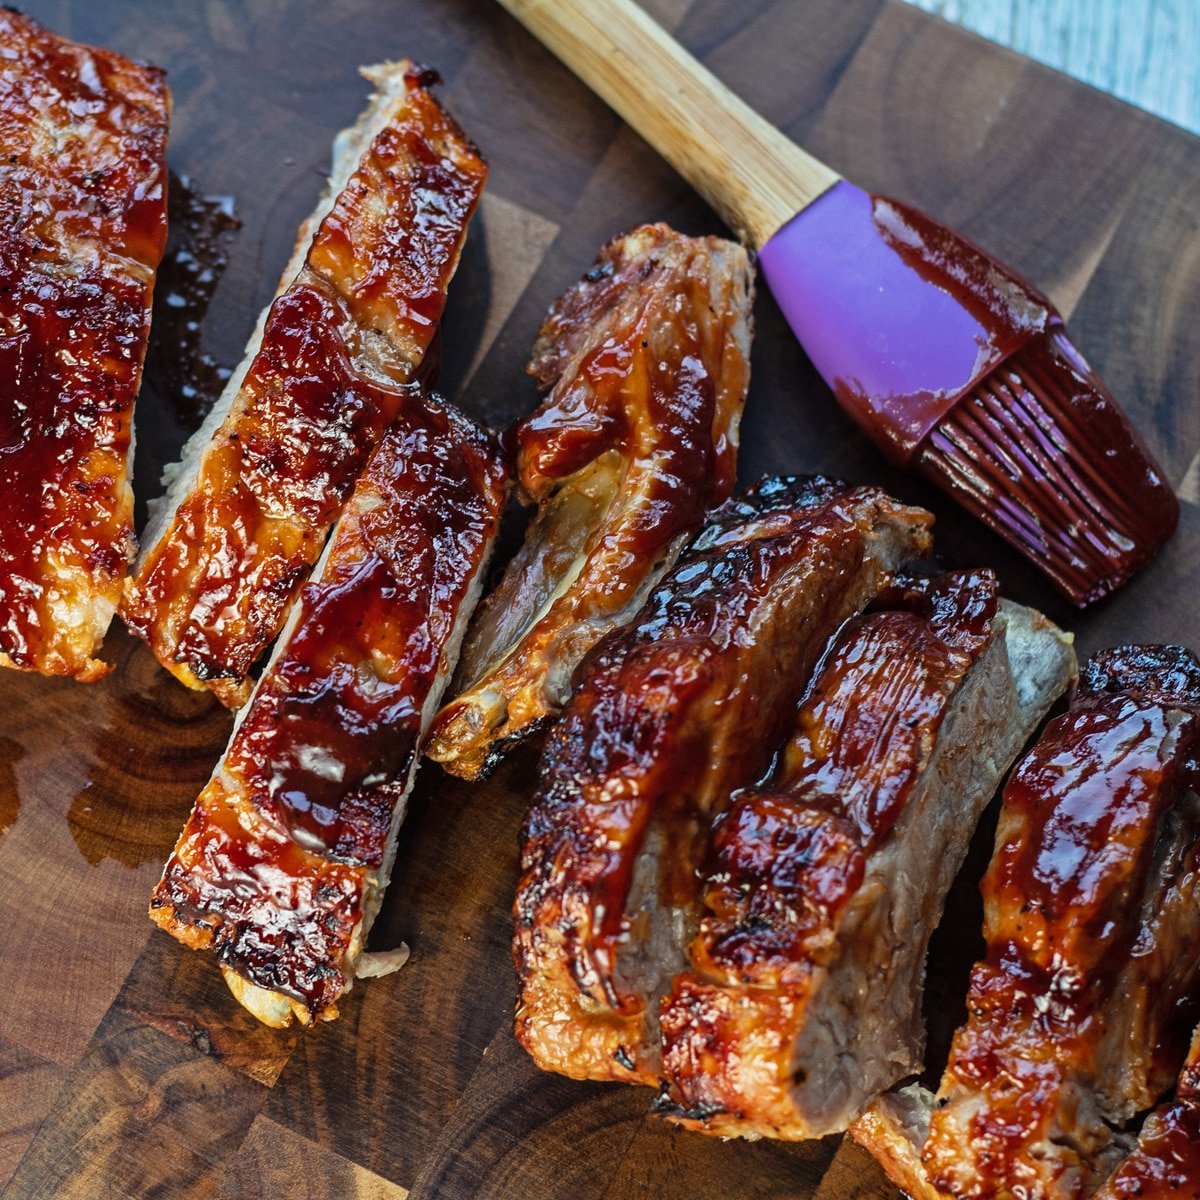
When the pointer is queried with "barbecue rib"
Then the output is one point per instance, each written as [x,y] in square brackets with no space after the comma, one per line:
[282,866]
[262,482]
[647,362]
[672,713]
[1092,905]
[1166,1160]
[83,223]
[803,998]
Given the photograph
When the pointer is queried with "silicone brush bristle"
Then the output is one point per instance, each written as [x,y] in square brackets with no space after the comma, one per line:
[955,365]
[1040,453]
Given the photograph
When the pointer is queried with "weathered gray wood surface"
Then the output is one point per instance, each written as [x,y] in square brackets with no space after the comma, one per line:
[1144,51]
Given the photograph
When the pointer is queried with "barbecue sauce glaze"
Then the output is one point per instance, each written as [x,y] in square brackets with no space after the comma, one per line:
[82,228]
[340,347]
[272,870]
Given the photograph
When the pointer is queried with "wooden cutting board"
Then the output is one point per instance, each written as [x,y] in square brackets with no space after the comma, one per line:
[125,1067]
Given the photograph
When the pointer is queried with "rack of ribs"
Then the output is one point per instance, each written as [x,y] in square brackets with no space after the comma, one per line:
[671,715]
[1092,915]
[802,999]
[82,228]
[646,362]
[283,863]
[262,482]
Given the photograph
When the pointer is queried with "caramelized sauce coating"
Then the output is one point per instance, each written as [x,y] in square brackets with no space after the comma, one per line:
[1166,1162]
[671,714]
[1083,849]
[787,861]
[339,348]
[670,375]
[82,229]
[287,850]
[1167,675]
[647,362]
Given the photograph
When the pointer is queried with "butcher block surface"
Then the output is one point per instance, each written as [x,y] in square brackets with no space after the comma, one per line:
[126,1068]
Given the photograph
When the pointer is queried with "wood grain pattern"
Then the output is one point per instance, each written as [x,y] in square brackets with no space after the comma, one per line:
[266,1165]
[756,178]
[125,1067]
[141,1114]
[28,1085]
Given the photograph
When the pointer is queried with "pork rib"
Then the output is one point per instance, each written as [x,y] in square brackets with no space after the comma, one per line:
[262,482]
[1092,907]
[803,997]
[82,228]
[647,363]
[672,714]
[1165,1164]
[282,866]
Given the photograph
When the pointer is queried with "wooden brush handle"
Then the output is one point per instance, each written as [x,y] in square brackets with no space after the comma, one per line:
[756,178]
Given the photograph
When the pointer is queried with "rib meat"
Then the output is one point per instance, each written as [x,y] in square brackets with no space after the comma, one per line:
[82,227]
[1166,1160]
[647,362]
[263,481]
[671,715]
[1092,905]
[803,996]
[282,866]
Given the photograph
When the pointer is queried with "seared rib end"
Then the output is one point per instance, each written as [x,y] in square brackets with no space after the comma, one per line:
[565,1030]
[726,1053]
[82,668]
[284,921]
[193,934]
[464,738]
[892,1130]
[233,693]
[567,1034]
[272,1008]
[77,606]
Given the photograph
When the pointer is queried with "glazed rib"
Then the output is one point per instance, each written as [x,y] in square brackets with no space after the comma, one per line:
[83,224]
[282,865]
[1092,912]
[262,482]
[1166,1161]
[803,995]
[647,362]
[672,714]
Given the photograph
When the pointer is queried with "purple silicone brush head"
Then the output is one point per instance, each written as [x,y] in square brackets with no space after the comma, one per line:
[958,368]
[951,363]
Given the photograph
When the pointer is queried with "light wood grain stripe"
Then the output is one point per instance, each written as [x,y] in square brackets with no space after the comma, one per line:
[275,1162]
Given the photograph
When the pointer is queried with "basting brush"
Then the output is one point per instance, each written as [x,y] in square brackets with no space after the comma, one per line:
[949,361]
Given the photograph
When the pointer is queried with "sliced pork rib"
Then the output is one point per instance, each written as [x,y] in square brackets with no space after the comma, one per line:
[262,482]
[1092,904]
[282,866]
[1165,1164]
[672,714]
[647,362]
[83,222]
[803,996]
